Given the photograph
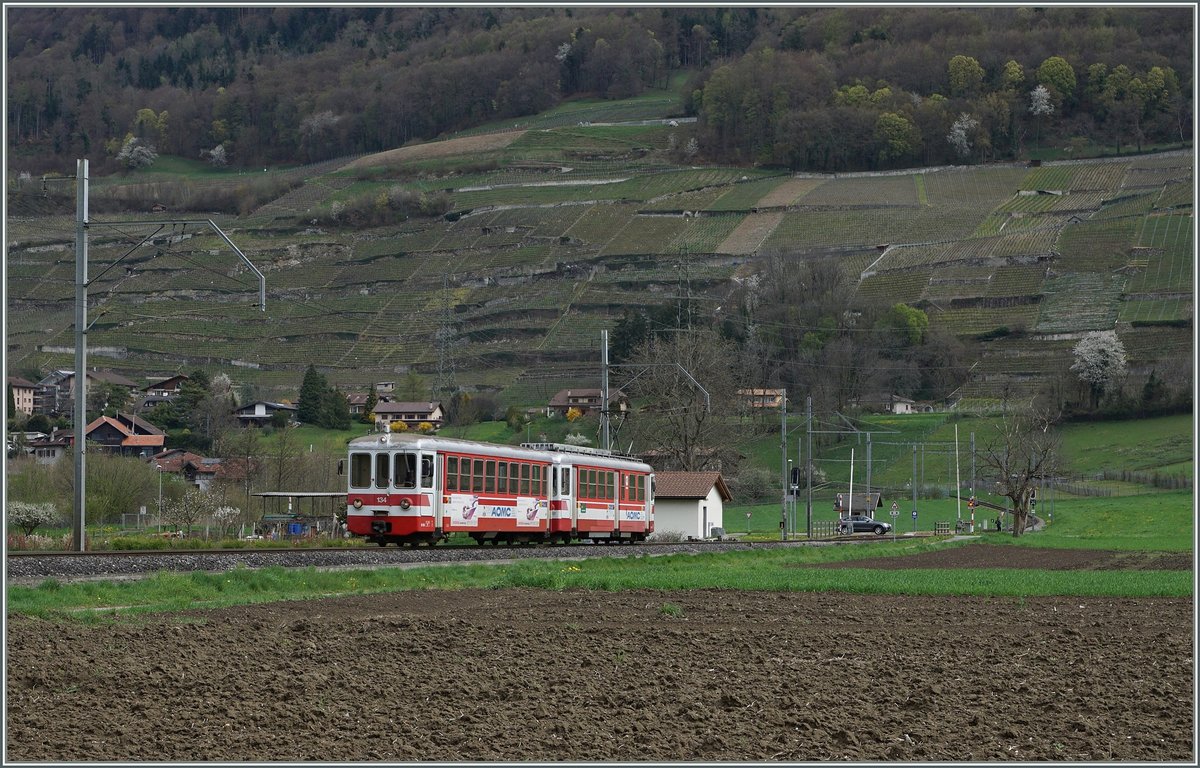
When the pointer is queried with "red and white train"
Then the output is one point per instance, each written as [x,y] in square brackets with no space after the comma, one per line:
[417,489]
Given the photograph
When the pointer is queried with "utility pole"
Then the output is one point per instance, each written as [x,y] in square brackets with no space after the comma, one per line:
[82,224]
[605,429]
[784,527]
[808,421]
[81,281]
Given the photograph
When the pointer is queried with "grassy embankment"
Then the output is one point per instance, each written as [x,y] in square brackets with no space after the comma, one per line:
[1161,522]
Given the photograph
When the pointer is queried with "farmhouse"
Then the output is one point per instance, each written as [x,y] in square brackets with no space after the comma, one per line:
[585,400]
[762,398]
[411,414]
[692,503]
[165,389]
[259,413]
[127,435]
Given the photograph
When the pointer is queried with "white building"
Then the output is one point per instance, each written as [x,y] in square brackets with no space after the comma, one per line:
[692,503]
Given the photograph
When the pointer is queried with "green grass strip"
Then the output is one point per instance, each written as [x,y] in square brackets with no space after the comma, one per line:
[790,570]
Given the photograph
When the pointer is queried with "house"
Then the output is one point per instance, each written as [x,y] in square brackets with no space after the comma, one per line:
[585,400]
[122,435]
[22,392]
[771,399]
[258,413]
[55,394]
[165,389]
[173,460]
[857,503]
[48,450]
[692,503]
[358,403]
[203,472]
[412,414]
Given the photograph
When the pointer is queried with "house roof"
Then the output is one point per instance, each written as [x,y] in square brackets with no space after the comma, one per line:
[357,398]
[137,424]
[174,459]
[18,382]
[689,485]
[249,407]
[177,379]
[563,397]
[129,437]
[407,407]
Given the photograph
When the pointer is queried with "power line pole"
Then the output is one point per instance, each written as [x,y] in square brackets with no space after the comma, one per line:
[82,223]
[81,281]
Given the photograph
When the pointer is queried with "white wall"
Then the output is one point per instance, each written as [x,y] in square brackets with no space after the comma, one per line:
[687,515]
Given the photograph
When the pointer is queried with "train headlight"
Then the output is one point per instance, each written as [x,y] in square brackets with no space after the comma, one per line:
[405,504]
[358,503]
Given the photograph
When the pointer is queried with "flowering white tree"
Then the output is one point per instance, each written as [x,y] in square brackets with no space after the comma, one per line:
[1040,104]
[29,517]
[1100,361]
[960,134]
[217,156]
[223,517]
[134,154]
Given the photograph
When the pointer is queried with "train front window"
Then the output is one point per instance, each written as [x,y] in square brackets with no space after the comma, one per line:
[427,465]
[406,470]
[381,470]
[360,470]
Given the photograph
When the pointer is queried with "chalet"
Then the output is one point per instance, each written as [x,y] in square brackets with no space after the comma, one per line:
[165,389]
[584,400]
[411,414]
[770,399]
[122,435]
[22,392]
[173,460]
[692,503]
[258,413]
[203,472]
[358,403]
[857,503]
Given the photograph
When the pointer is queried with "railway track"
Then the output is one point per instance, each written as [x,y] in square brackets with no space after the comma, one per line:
[31,568]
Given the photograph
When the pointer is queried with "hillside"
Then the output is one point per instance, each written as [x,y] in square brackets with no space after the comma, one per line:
[549,233]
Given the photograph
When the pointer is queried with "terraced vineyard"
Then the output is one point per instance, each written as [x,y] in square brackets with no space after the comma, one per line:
[559,226]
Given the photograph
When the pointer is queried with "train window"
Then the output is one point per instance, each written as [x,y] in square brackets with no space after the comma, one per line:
[525,479]
[406,470]
[537,480]
[452,473]
[381,469]
[426,471]
[641,487]
[477,476]
[502,477]
[489,477]
[360,470]
[566,481]
[464,475]
[609,482]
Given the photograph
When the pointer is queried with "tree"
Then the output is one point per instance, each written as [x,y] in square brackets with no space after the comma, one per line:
[1100,362]
[368,416]
[961,134]
[312,391]
[898,138]
[117,485]
[29,517]
[217,156]
[134,154]
[909,322]
[692,433]
[1020,453]
[188,510]
[1057,74]
[966,76]
[1040,104]
[223,517]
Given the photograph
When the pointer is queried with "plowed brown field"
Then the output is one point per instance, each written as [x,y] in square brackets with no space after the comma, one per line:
[518,675]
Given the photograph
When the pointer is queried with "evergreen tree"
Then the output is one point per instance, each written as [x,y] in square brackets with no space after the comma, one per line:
[312,397]
[335,410]
[369,408]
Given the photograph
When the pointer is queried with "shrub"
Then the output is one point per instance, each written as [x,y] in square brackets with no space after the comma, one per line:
[398,426]
[29,517]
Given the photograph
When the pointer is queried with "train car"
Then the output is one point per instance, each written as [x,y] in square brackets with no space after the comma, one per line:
[417,489]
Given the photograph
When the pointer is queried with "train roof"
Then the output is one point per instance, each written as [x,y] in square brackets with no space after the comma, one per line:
[553,452]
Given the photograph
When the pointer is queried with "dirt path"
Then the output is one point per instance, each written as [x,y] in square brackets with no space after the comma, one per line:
[592,676]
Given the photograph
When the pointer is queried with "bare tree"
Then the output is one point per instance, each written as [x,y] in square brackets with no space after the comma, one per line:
[1021,451]
[674,420]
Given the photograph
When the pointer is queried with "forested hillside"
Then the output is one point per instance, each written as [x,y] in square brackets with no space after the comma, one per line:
[823,89]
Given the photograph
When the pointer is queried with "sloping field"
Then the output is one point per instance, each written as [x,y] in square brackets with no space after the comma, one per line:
[573,224]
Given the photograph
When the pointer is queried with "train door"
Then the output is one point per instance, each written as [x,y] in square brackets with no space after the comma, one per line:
[562,504]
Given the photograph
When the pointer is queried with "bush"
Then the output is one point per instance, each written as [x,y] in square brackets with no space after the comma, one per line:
[29,517]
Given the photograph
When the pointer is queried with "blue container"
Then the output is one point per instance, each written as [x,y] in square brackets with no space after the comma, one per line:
[295,529]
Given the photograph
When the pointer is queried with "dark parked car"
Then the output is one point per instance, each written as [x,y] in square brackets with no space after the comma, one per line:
[863,524]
